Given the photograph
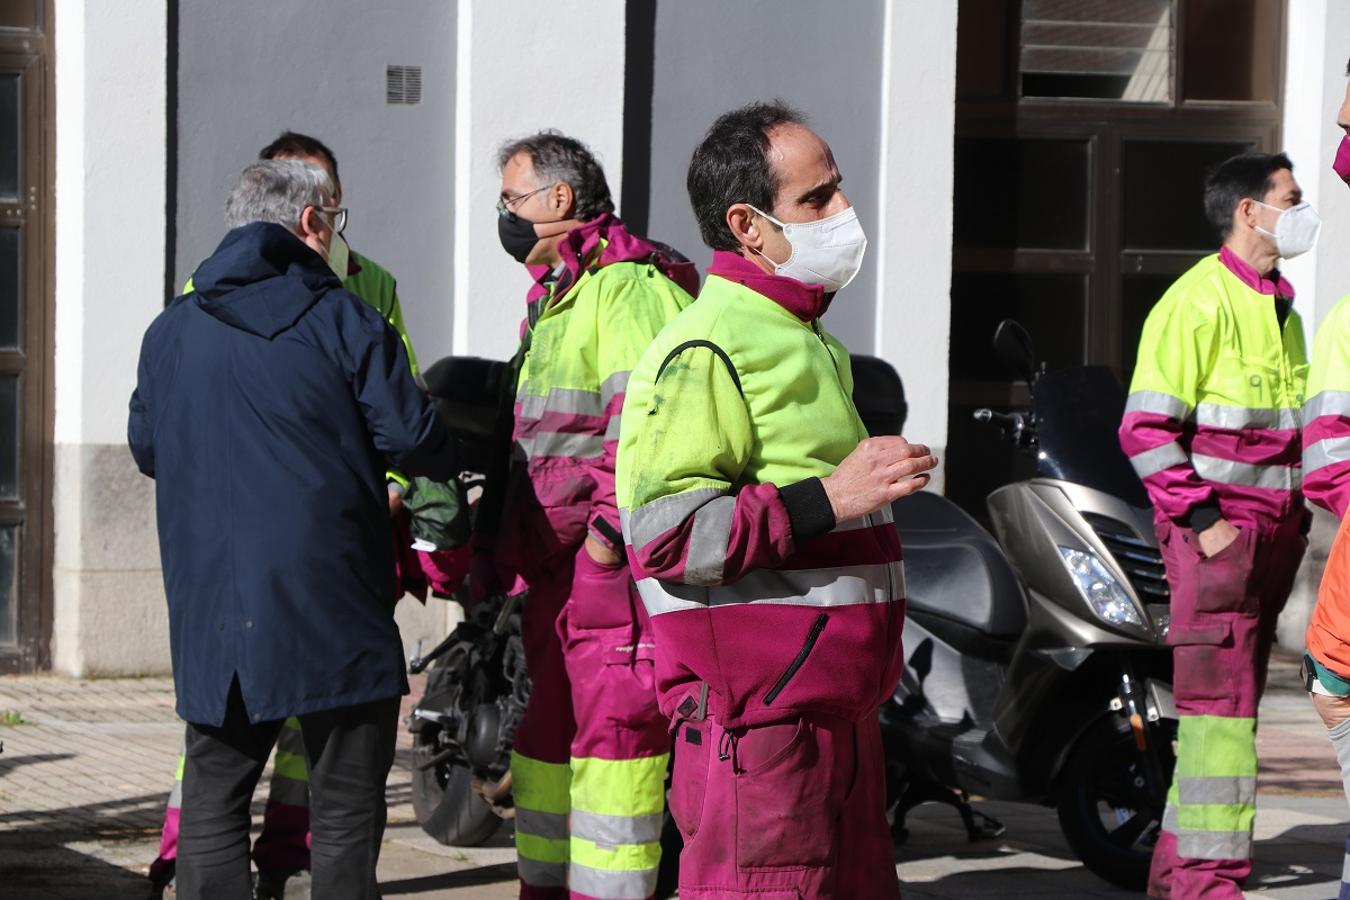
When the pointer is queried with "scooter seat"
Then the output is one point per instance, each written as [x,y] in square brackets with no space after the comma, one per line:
[955,570]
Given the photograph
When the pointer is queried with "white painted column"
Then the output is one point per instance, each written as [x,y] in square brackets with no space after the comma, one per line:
[573,82]
[1317,45]
[914,237]
[109,611]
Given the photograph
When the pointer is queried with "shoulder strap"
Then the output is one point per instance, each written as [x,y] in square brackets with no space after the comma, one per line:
[721,354]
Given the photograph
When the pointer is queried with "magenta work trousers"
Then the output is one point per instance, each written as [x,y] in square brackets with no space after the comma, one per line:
[1224,611]
[782,811]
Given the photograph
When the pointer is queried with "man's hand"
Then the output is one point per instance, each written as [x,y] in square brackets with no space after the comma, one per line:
[395,502]
[878,471]
[600,554]
[1216,538]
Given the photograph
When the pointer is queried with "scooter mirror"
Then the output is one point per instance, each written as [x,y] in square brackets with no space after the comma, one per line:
[1014,347]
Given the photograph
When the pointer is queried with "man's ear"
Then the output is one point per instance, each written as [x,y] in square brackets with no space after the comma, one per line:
[1245,212]
[742,222]
[308,225]
[563,200]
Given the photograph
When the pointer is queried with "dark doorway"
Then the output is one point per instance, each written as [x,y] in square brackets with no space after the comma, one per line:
[26,239]
[1084,129]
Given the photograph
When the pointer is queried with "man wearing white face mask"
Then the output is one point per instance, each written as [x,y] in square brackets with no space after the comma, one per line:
[1212,429]
[756,514]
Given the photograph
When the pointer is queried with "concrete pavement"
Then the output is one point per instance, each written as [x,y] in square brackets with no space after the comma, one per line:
[84,776]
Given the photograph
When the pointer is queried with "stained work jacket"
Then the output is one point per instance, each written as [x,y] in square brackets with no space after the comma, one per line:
[1213,414]
[589,321]
[732,417]
[1326,417]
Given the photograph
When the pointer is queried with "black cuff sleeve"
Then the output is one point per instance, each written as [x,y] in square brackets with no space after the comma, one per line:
[808,509]
[1202,516]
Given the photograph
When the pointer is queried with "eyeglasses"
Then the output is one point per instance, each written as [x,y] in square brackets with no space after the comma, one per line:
[339,214]
[504,204]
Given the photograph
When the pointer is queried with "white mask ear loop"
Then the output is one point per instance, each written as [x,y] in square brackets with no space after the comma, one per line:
[781,227]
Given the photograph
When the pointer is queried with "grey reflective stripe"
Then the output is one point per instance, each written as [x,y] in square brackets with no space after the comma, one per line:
[1233,418]
[563,443]
[844,586]
[541,874]
[651,520]
[1327,403]
[1158,403]
[1228,789]
[1151,462]
[1214,844]
[707,550]
[1326,452]
[1212,468]
[613,884]
[288,791]
[561,400]
[613,386]
[612,428]
[552,826]
[614,830]
[1169,822]
[176,795]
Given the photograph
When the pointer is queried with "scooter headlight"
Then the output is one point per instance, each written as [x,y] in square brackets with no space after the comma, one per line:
[1099,588]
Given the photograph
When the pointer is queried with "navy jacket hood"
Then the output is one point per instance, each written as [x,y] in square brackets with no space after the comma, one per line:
[261,279]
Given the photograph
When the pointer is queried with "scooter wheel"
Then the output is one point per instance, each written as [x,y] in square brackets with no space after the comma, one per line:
[1109,814]
[446,805]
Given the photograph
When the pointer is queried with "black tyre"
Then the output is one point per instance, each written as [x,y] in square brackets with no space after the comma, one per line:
[446,805]
[1109,815]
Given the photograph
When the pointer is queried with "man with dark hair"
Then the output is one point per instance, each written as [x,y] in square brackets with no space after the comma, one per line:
[1212,429]
[757,520]
[269,381]
[589,760]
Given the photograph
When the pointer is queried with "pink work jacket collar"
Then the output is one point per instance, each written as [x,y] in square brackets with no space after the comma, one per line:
[1274,284]
[805,301]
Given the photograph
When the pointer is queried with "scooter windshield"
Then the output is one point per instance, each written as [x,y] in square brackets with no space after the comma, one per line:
[1078,411]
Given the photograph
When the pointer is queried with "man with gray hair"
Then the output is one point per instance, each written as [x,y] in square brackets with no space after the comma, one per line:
[588,764]
[269,403]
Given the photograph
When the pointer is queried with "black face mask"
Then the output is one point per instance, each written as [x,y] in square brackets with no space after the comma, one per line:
[517,236]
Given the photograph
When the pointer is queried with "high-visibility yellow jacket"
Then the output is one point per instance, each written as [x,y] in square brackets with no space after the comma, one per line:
[762,604]
[1326,417]
[1213,415]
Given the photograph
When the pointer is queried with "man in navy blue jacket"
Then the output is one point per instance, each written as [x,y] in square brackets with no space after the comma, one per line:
[269,404]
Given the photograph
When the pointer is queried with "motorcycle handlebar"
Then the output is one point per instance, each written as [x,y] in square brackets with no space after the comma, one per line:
[1011,421]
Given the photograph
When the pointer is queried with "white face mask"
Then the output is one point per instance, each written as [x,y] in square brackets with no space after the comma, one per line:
[1296,229]
[827,252]
[338,255]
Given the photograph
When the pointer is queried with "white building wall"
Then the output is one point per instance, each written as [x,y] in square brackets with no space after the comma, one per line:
[110,178]
[522,67]
[913,244]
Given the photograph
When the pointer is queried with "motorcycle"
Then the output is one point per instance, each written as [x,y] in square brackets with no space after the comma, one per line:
[1036,664]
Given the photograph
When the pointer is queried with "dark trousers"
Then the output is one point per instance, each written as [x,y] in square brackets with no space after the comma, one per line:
[349,751]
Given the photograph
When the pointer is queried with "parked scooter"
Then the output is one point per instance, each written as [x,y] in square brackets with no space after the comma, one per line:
[1036,668]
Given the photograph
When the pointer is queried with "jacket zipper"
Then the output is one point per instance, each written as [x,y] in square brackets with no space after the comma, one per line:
[812,636]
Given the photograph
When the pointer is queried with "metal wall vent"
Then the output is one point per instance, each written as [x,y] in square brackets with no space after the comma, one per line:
[403,85]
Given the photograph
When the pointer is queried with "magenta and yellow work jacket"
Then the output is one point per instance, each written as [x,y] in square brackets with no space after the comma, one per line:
[763,606]
[590,318]
[1213,417]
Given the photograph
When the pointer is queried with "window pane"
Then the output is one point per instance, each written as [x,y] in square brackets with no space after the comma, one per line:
[1030,194]
[1102,49]
[1052,307]
[1230,49]
[1163,187]
[9,437]
[9,137]
[9,288]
